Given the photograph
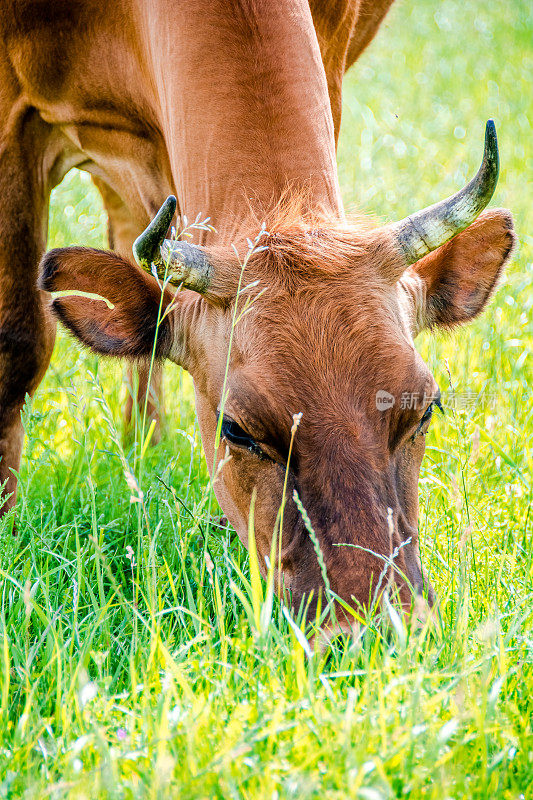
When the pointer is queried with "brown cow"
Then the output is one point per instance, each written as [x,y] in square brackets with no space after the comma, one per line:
[228,106]
[113,89]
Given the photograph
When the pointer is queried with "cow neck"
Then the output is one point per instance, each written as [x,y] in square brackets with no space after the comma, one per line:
[245,110]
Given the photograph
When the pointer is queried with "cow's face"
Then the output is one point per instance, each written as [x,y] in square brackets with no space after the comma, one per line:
[322,327]
[302,408]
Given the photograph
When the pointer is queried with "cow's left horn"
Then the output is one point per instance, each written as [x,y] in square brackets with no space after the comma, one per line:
[430,228]
[182,263]
[146,246]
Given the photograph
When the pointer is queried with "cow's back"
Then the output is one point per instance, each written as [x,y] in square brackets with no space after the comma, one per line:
[84,51]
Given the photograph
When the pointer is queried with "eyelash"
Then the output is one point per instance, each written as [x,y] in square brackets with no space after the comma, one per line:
[428,413]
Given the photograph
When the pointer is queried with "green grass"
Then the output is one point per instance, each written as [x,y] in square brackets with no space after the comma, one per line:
[155,671]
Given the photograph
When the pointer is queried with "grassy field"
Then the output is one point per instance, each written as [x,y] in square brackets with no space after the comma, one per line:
[137,657]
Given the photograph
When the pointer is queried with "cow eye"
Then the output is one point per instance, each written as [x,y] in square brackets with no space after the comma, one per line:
[233,433]
[428,413]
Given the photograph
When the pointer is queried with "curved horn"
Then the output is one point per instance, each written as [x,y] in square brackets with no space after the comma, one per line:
[146,246]
[188,265]
[430,228]
[183,263]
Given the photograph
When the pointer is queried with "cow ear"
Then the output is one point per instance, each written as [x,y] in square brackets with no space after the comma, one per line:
[453,284]
[128,328]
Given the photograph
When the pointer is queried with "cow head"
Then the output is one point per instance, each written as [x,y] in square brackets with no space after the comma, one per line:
[318,320]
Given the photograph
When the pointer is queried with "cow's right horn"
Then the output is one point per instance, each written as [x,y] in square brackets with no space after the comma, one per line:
[420,233]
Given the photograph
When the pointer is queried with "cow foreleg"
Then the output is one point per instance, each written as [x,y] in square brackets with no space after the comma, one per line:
[27,330]
[142,404]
